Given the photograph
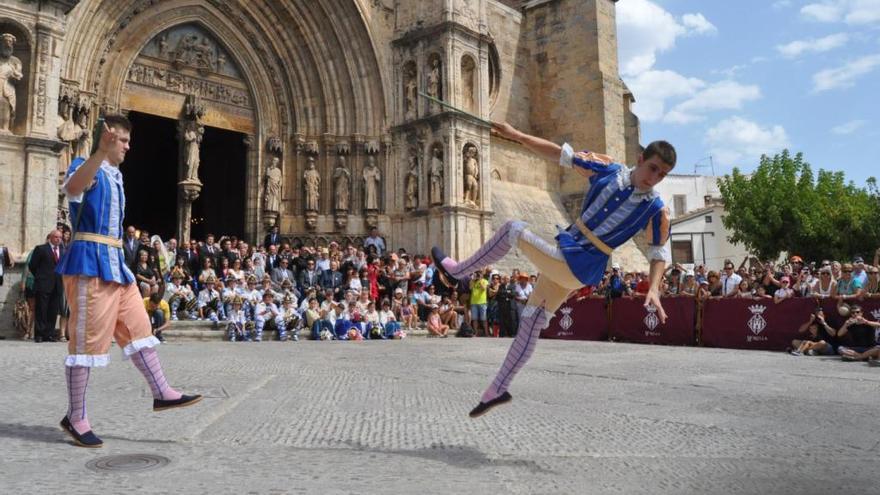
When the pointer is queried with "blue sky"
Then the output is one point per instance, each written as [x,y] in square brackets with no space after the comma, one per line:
[737,78]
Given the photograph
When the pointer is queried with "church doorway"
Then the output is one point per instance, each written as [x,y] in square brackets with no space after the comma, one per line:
[150,172]
[220,208]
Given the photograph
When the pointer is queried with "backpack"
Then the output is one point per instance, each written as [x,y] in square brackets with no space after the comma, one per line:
[465,330]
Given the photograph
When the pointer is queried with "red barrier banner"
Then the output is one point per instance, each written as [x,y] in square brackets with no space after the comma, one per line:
[631,321]
[586,319]
[754,324]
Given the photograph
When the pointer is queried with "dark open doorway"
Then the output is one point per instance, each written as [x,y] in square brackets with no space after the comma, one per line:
[150,171]
[220,208]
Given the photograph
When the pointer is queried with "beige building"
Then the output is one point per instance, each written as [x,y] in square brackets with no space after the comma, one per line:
[310,114]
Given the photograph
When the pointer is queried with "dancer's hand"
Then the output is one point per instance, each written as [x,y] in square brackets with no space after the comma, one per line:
[505,130]
[654,298]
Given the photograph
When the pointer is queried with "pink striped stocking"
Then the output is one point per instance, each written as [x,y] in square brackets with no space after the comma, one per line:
[147,362]
[534,320]
[77,381]
[492,251]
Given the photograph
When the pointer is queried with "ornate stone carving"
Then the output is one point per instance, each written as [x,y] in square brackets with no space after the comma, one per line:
[312,185]
[468,72]
[83,145]
[179,83]
[434,82]
[471,175]
[410,90]
[342,191]
[192,132]
[10,72]
[272,191]
[274,145]
[411,184]
[436,195]
[372,181]
[70,131]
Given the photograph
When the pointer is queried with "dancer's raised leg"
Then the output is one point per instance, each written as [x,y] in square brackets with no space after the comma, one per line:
[493,250]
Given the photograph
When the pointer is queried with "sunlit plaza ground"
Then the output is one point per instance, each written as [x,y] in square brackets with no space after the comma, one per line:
[391,417]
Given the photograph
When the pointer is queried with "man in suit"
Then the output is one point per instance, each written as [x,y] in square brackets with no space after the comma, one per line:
[272,259]
[130,246]
[228,252]
[273,238]
[282,273]
[47,286]
[193,258]
[332,279]
[309,277]
[210,250]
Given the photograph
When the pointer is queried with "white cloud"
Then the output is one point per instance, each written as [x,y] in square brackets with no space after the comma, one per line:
[781,4]
[849,11]
[698,24]
[723,95]
[644,29]
[652,88]
[849,127]
[817,45]
[845,75]
[736,140]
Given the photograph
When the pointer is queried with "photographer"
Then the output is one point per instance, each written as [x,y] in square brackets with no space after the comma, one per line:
[479,302]
[819,338]
[860,334]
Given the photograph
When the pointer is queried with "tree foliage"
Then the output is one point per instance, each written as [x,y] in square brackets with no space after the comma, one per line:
[782,208]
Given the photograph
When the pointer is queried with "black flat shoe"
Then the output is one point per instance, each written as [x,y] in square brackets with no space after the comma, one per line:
[446,279]
[88,439]
[183,401]
[484,407]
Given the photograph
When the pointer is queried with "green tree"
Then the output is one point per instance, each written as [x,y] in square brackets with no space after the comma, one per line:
[782,208]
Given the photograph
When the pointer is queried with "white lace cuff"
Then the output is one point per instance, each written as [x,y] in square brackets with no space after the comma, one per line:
[87,360]
[138,345]
[565,158]
[659,253]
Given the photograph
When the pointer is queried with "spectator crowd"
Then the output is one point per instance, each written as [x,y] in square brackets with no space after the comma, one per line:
[357,292]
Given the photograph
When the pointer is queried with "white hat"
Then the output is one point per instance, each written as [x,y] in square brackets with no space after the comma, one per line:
[615,266]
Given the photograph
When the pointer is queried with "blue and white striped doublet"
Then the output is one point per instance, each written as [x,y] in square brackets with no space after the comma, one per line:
[614,211]
[103,215]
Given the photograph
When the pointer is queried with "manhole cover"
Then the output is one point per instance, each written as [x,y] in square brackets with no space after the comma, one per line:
[128,462]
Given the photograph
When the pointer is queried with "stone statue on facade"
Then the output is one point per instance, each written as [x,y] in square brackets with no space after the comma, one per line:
[434,78]
[342,184]
[411,92]
[192,137]
[272,197]
[372,178]
[471,175]
[468,71]
[437,176]
[83,146]
[10,71]
[312,185]
[412,184]
[68,132]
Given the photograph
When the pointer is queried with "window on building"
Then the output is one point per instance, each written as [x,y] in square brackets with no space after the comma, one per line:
[679,202]
[708,218]
[682,252]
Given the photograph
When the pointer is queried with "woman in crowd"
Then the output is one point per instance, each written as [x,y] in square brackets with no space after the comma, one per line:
[364,278]
[207,271]
[223,269]
[236,271]
[872,288]
[689,287]
[745,290]
[785,292]
[145,274]
[803,286]
[373,269]
[180,267]
[351,281]
[714,284]
[825,286]
[408,315]
[448,315]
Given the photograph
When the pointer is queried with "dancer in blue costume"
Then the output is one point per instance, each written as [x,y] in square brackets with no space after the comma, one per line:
[620,202]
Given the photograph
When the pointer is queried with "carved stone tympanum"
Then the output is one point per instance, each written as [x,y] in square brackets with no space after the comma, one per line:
[10,71]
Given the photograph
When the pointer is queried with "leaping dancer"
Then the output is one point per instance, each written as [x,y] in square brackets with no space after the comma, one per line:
[620,202]
[104,301]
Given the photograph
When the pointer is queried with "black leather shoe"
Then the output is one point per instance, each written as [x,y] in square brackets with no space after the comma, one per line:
[183,401]
[88,439]
[484,407]
[446,279]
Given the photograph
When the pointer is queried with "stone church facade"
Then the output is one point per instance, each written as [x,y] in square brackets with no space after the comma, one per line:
[311,114]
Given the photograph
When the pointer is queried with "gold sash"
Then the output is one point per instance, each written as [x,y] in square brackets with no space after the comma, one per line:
[593,238]
[100,239]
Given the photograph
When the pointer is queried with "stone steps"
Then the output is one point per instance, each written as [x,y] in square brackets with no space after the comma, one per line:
[204,331]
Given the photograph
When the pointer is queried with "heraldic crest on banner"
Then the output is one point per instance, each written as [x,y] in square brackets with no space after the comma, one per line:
[757,323]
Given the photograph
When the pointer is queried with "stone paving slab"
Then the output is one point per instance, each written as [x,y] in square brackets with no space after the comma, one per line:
[391,417]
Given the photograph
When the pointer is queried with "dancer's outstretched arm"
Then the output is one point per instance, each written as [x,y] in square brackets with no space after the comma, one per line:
[539,146]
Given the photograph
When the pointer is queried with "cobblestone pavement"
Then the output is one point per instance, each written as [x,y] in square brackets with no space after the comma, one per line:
[391,417]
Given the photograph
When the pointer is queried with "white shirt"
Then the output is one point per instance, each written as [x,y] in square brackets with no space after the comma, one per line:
[729,283]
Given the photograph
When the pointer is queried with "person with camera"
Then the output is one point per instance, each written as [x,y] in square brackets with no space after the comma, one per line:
[479,303]
[860,335]
[818,337]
